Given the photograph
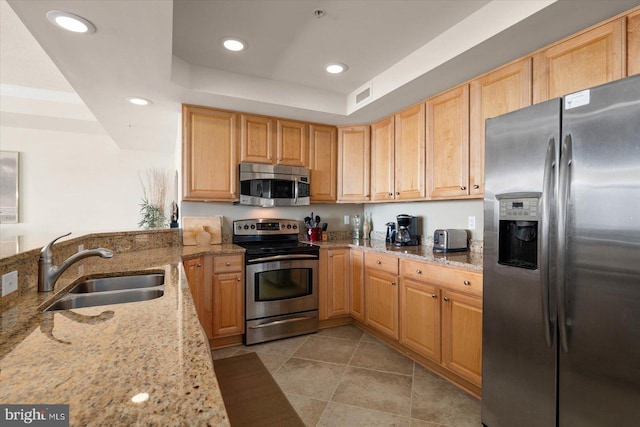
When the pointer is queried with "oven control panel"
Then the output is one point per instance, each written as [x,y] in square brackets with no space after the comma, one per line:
[265,226]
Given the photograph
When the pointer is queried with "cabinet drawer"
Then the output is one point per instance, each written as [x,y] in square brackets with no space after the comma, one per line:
[387,263]
[414,269]
[454,279]
[227,263]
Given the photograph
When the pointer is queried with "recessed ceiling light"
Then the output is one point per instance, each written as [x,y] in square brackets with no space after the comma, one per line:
[233,44]
[135,100]
[335,68]
[71,22]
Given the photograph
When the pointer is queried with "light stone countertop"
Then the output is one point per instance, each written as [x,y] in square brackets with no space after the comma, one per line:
[96,359]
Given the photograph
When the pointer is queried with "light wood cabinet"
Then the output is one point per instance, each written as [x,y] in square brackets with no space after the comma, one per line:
[209,159]
[323,162]
[292,143]
[410,147]
[354,143]
[228,295]
[498,92]
[462,335]
[257,139]
[356,285]
[383,159]
[448,143]
[334,283]
[381,293]
[588,59]
[420,317]
[633,43]
[201,293]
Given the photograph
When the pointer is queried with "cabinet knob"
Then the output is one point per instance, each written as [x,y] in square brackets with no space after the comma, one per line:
[446,299]
[238,279]
[462,187]
[198,265]
[331,256]
[467,283]
[397,193]
[418,271]
[393,283]
[476,186]
[378,262]
[228,263]
[390,194]
[434,296]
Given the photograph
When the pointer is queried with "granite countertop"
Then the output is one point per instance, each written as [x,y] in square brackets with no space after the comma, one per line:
[96,359]
[467,260]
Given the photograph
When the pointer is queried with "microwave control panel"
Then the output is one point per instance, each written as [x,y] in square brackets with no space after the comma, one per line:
[525,209]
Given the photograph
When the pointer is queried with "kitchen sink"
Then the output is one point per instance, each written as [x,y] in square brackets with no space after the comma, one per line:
[111,290]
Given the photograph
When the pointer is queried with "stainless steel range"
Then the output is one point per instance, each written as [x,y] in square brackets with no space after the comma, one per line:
[281,279]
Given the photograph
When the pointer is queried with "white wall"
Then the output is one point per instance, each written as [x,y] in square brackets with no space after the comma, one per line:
[434,214]
[76,182]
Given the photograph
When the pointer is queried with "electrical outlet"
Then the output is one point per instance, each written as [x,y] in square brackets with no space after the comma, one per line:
[472,223]
[346,219]
[9,282]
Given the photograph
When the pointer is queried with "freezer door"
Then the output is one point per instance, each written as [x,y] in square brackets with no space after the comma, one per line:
[599,378]
[519,348]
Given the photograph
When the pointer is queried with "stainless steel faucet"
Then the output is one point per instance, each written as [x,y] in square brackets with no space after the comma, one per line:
[48,273]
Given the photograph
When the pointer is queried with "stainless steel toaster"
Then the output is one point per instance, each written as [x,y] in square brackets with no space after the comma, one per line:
[450,240]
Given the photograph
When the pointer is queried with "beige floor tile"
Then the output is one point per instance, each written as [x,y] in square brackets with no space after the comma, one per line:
[439,401]
[309,377]
[327,349]
[421,423]
[338,414]
[270,360]
[382,391]
[348,332]
[370,338]
[225,352]
[381,357]
[307,408]
[285,347]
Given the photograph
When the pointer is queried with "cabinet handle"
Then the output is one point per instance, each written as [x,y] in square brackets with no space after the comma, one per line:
[393,283]
[418,271]
[397,193]
[238,279]
[228,263]
[467,283]
[462,187]
[331,256]
[446,299]
[434,296]
[390,194]
[198,265]
[378,262]
[476,186]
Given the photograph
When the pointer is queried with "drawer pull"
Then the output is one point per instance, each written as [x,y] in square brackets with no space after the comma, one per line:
[446,299]
[476,186]
[228,263]
[434,296]
[378,262]
[462,187]
[418,271]
[238,279]
[393,283]
[467,283]
[198,265]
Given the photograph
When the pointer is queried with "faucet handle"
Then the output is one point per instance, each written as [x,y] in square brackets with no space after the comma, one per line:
[46,251]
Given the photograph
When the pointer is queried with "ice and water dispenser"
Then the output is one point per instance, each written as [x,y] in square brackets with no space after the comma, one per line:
[518,232]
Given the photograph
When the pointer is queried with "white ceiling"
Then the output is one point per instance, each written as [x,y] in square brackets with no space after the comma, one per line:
[169,52]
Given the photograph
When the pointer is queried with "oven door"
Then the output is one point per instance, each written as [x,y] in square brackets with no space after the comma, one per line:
[281,287]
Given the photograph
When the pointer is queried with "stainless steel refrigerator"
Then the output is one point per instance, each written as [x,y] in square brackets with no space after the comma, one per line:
[561,304]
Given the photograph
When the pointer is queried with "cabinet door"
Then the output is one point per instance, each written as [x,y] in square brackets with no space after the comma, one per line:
[356,284]
[323,162]
[498,92]
[338,289]
[256,139]
[209,154]
[588,59]
[448,143]
[292,143]
[420,318]
[353,163]
[201,293]
[633,43]
[410,153]
[462,335]
[383,160]
[228,304]
[382,302]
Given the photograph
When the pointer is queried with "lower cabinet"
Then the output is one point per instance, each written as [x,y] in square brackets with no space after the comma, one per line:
[356,284]
[381,293]
[420,317]
[334,283]
[217,287]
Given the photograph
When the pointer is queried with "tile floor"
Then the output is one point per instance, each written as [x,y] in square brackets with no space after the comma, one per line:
[345,377]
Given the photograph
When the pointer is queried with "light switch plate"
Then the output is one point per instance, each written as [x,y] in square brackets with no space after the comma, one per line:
[346,219]
[472,223]
[9,282]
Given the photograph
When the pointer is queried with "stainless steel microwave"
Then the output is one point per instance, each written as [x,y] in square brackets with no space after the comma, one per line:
[273,185]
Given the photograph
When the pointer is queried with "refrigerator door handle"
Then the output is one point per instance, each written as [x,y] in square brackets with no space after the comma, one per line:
[563,201]
[547,197]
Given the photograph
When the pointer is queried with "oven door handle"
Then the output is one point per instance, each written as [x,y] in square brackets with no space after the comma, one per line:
[281,257]
[280,322]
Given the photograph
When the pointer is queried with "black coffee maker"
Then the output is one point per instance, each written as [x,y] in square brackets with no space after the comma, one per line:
[407,233]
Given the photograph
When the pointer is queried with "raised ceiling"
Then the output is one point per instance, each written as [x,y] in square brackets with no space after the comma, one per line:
[402,51]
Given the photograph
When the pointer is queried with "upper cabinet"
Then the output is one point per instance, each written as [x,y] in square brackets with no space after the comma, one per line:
[633,43]
[353,163]
[292,144]
[498,92]
[383,160]
[209,158]
[410,150]
[588,59]
[448,143]
[323,162]
[257,139]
